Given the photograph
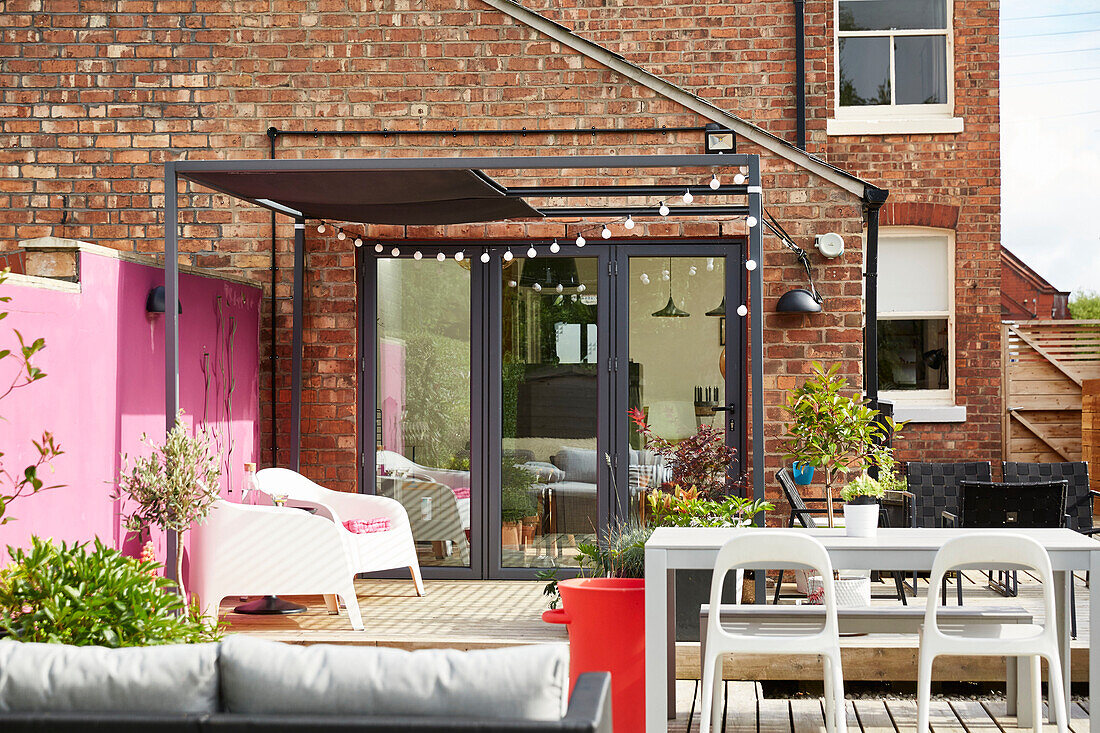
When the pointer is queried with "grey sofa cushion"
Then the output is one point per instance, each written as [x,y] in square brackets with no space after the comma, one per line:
[546,473]
[175,678]
[527,682]
[579,464]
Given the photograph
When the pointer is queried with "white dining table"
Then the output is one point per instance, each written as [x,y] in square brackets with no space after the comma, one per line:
[695,548]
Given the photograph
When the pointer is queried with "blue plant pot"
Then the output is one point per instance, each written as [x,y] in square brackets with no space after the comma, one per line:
[803,475]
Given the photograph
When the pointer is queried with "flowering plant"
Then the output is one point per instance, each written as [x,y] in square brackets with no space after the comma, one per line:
[701,462]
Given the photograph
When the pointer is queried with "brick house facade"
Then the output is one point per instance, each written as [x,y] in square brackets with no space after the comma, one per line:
[1026,295]
[97,96]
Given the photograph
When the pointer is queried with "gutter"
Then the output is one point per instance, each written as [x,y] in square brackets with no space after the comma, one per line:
[800,73]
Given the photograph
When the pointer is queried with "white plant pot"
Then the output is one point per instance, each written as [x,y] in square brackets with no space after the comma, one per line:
[851,590]
[861,520]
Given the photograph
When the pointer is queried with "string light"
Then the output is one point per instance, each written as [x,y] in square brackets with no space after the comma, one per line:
[663,210]
[358,241]
[395,251]
[644,278]
[750,265]
[485,257]
[417,255]
[581,288]
[507,255]
[629,223]
[580,240]
[559,287]
[440,256]
[555,247]
[692,270]
[739,178]
[605,232]
[321,228]
[710,264]
[512,283]
[378,247]
[751,221]
[531,251]
[744,169]
[688,198]
[340,235]
[459,255]
[537,288]
[714,182]
[742,310]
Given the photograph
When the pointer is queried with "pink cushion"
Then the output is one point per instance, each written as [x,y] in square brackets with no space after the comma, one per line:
[462,492]
[367,526]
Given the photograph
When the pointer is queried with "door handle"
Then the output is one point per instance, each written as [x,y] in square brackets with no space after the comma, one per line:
[727,408]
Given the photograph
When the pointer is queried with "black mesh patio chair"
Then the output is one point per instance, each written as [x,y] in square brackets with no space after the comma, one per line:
[998,505]
[934,489]
[804,516]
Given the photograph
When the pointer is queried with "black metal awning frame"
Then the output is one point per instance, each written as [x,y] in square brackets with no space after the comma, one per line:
[751,190]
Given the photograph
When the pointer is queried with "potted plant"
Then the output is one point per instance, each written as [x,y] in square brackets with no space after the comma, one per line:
[171,488]
[833,431]
[515,505]
[861,505]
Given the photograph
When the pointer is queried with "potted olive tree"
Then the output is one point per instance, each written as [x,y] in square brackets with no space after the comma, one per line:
[833,431]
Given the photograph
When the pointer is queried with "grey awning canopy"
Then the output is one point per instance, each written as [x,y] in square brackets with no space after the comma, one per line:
[426,197]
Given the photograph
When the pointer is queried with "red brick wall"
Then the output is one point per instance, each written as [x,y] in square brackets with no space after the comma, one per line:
[740,54]
[98,94]
[1039,301]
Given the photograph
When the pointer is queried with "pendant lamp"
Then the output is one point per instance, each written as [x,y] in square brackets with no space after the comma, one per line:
[670,310]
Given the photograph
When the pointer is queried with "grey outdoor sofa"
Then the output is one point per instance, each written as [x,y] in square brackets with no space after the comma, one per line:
[246,684]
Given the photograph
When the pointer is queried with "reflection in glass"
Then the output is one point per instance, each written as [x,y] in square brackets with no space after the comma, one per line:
[422,423]
[874,15]
[549,456]
[913,354]
[675,379]
[920,64]
[864,71]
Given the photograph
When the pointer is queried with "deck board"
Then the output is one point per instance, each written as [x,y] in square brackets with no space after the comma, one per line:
[873,717]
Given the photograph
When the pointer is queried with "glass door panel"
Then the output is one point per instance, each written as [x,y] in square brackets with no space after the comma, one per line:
[676,340]
[423,397]
[550,459]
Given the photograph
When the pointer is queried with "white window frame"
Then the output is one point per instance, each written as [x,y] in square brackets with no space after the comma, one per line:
[927,398]
[894,118]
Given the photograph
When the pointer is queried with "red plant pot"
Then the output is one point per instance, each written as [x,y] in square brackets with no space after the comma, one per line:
[605,618]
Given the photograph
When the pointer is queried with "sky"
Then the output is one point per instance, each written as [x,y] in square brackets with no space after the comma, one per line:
[1050,138]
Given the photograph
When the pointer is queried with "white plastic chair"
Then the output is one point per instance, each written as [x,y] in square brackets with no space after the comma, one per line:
[763,549]
[369,552]
[241,550]
[981,552]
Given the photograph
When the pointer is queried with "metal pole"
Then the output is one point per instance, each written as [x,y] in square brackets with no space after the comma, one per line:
[756,326]
[800,73]
[171,327]
[296,346]
[873,199]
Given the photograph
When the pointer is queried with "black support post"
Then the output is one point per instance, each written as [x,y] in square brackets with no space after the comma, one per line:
[873,199]
[756,337]
[800,72]
[171,327]
[296,346]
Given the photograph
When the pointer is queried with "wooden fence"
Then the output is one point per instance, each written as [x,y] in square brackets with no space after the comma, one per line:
[1045,364]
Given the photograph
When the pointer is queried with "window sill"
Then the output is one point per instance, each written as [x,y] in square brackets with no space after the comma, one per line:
[898,126]
[929,413]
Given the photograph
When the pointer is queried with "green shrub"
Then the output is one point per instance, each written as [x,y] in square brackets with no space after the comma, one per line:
[73,594]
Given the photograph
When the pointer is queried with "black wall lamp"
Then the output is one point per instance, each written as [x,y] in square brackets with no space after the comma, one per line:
[798,300]
[154,303]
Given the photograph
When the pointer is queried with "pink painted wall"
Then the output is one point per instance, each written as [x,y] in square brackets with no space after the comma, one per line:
[104,360]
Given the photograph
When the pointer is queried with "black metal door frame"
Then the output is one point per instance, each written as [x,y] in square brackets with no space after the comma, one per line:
[613,353]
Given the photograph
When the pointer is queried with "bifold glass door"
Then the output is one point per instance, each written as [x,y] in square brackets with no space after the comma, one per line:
[494,394]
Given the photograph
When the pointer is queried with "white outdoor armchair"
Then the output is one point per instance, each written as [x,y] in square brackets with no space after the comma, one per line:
[370,552]
[242,550]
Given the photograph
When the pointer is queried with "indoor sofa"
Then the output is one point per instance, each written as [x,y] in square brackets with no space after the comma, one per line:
[244,683]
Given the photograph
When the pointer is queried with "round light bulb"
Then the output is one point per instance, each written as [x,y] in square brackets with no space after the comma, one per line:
[358,241]
[459,256]
[714,182]
[378,247]
[666,275]
[581,288]
[739,178]
[440,256]
[507,255]
[605,232]
[559,287]
[629,223]
[742,310]
[537,288]
[555,247]
[750,265]
[663,211]
[511,283]
[688,198]
[710,264]
[580,241]
[744,169]
[644,278]
[395,251]
[750,221]
[484,256]
[320,228]
[531,252]
[341,236]
[418,255]
[692,270]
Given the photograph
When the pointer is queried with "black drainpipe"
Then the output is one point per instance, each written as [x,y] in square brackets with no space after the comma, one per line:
[873,199]
[800,72]
[272,134]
